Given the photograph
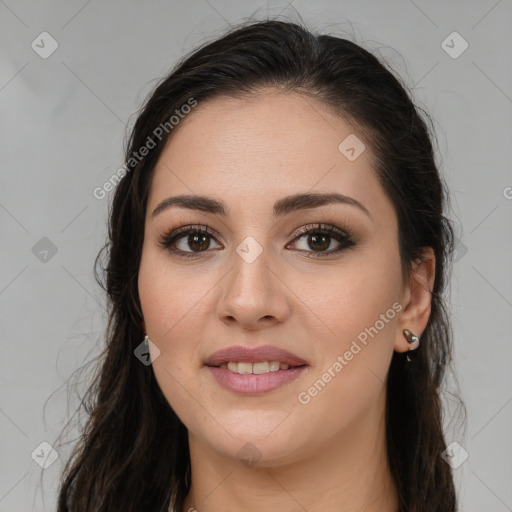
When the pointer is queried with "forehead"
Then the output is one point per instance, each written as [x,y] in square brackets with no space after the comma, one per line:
[252,151]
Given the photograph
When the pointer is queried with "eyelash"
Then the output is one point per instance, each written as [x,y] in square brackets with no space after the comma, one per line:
[344,237]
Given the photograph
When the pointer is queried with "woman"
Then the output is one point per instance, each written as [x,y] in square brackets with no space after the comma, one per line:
[278,249]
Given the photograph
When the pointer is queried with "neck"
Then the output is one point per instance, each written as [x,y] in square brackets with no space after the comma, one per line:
[348,473]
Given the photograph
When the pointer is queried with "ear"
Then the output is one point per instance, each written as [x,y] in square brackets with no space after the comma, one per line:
[416,299]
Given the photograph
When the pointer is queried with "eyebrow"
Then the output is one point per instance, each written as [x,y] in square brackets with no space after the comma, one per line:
[281,207]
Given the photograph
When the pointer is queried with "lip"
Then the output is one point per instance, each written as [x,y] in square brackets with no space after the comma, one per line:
[254,384]
[241,354]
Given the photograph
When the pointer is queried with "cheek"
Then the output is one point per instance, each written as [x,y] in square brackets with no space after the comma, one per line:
[351,298]
[172,297]
[358,309]
[173,312]
[353,359]
[336,405]
[172,323]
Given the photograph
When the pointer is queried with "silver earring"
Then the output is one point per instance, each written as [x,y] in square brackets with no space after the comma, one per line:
[414,341]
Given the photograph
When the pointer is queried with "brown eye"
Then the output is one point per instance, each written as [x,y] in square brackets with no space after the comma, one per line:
[188,242]
[319,239]
[198,242]
[319,242]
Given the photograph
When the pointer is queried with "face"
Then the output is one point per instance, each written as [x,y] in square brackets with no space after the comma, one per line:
[320,280]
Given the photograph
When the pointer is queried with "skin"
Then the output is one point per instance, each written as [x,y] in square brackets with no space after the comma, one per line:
[330,453]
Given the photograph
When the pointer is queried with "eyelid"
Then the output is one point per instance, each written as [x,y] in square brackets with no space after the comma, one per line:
[172,234]
[322,227]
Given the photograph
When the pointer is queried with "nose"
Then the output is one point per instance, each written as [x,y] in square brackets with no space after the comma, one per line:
[253,295]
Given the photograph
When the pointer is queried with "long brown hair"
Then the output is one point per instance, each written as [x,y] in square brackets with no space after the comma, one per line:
[132,453]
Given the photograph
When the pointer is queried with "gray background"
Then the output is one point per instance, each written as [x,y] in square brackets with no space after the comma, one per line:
[63,123]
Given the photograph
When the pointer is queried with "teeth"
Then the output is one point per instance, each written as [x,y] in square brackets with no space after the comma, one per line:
[256,368]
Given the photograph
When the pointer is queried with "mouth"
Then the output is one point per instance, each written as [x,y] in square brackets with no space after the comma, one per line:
[252,371]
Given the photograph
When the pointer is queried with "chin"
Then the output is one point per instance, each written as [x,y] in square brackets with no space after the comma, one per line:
[256,447]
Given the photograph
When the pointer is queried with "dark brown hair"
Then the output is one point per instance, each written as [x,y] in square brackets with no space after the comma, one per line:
[133,451]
